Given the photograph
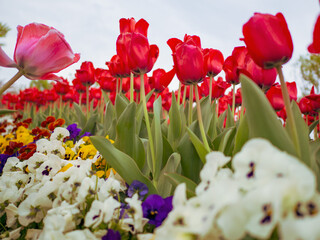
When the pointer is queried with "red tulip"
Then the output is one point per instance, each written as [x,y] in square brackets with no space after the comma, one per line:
[234,64]
[314,47]
[40,52]
[213,61]
[264,78]
[62,87]
[274,95]
[78,86]
[117,67]
[306,106]
[86,74]
[160,79]
[268,39]
[133,46]
[51,95]
[218,88]
[188,59]
[105,80]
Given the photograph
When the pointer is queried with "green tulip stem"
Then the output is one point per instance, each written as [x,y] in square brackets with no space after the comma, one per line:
[190,105]
[290,117]
[120,85]
[80,98]
[233,99]
[184,96]
[117,85]
[203,134]
[60,106]
[146,116]
[87,93]
[179,93]
[11,81]
[131,87]
[156,95]
[210,88]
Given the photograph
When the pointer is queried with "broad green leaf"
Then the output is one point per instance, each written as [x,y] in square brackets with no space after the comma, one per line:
[303,133]
[121,162]
[120,105]
[313,125]
[82,120]
[6,111]
[164,187]
[176,179]
[230,118]
[90,125]
[108,116]
[175,125]
[242,134]
[167,150]
[126,139]
[262,120]
[198,145]
[157,136]
[212,131]
[190,161]
[221,120]
[227,135]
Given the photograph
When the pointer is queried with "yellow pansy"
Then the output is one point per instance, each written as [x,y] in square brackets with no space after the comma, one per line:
[69,154]
[23,135]
[87,151]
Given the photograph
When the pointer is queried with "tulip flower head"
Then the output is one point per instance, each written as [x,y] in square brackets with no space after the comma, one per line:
[86,74]
[133,46]
[161,79]
[213,60]
[268,39]
[40,52]
[314,47]
[188,59]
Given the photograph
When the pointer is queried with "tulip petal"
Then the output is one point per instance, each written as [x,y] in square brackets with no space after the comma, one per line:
[142,27]
[167,78]
[127,25]
[173,42]
[153,56]
[6,61]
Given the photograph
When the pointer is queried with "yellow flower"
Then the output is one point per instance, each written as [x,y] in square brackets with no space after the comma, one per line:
[107,137]
[65,168]
[69,154]
[87,151]
[23,135]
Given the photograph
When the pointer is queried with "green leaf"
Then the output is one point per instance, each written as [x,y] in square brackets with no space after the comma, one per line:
[315,159]
[212,131]
[126,139]
[90,125]
[6,111]
[176,179]
[303,133]
[120,105]
[157,136]
[164,187]
[198,145]
[230,118]
[121,162]
[242,134]
[175,125]
[313,125]
[262,120]
[82,120]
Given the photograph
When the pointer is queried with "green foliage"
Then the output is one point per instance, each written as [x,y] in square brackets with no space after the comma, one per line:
[310,71]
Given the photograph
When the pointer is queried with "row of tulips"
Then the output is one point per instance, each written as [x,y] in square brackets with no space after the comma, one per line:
[164,144]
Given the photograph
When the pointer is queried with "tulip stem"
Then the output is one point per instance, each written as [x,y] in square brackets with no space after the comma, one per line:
[290,118]
[131,87]
[120,87]
[179,93]
[184,96]
[233,99]
[11,81]
[203,133]
[210,88]
[190,105]
[60,106]
[146,116]
[117,85]
[87,93]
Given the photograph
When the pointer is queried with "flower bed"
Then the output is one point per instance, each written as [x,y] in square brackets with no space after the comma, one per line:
[130,160]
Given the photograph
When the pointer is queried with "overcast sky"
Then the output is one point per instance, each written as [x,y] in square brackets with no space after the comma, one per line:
[92,26]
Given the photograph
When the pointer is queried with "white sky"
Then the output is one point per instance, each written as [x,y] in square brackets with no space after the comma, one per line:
[92,27]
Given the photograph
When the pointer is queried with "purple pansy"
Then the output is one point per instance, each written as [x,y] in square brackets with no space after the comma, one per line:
[3,160]
[156,209]
[137,187]
[74,131]
[112,235]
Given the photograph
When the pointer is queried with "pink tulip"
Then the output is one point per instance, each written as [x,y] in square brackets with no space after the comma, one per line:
[40,52]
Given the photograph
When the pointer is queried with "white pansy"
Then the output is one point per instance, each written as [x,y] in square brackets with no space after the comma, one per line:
[13,164]
[135,215]
[101,212]
[35,161]
[87,188]
[146,236]
[111,187]
[12,213]
[15,234]
[59,134]
[179,197]
[42,145]
[49,168]
[85,234]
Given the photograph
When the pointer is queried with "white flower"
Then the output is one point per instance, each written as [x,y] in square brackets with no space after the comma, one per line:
[59,134]
[12,213]
[110,187]
[49,168]
[35,161]
[85,234]
[136,214]
[101,212]
[13,164]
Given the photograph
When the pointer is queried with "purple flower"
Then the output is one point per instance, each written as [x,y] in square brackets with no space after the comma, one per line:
[74,131]
[86,134]
[3,160]
[156,209]
[137,187]
[112,235]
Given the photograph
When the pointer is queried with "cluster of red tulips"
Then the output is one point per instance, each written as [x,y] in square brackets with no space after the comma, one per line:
[259,60]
